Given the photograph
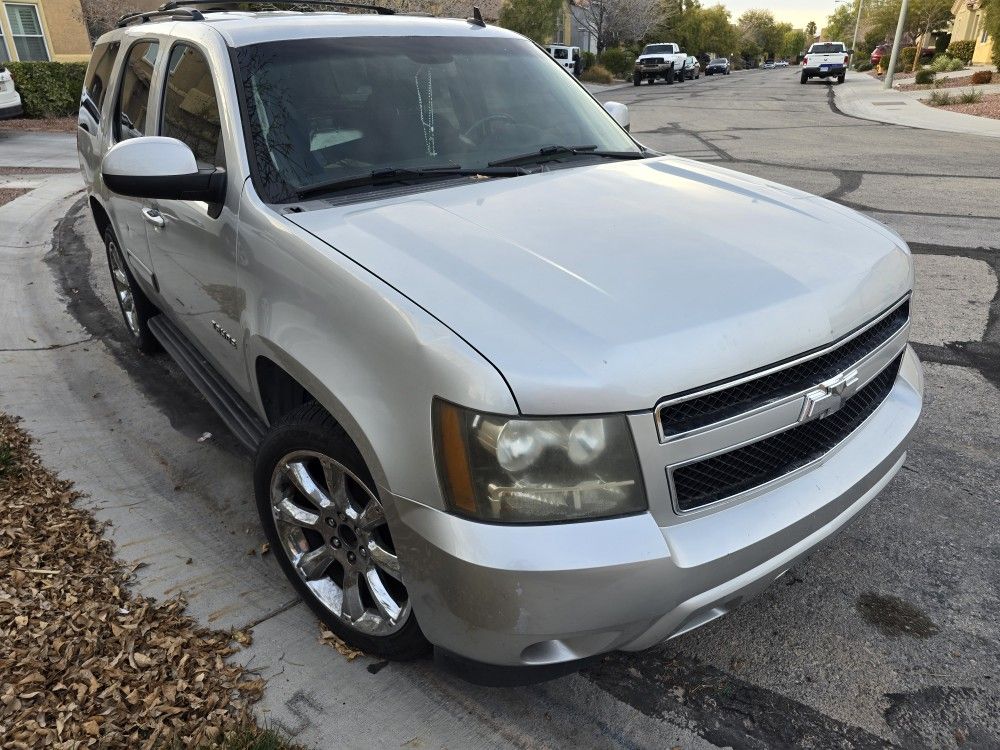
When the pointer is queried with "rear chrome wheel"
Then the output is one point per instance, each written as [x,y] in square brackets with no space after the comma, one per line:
[334,532]
[135,307]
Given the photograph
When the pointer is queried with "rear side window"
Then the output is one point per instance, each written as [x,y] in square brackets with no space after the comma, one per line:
[95,83]
[191,108]
[133,101]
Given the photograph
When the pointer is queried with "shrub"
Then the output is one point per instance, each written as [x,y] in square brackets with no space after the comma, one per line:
[982,76]
[970,97]
[925,76]
[48,89]
[905,61]
[617,61]
[963,50]
[863,66]
[939,98]
[596,74]
[588,59]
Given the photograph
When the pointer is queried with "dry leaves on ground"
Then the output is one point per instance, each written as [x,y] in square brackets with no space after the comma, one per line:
[327,637]
[9,194]
[83,661]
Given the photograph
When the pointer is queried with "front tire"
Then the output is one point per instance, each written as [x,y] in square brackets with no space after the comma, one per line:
[670,76]
[636,79]
[327,527]
[135,307]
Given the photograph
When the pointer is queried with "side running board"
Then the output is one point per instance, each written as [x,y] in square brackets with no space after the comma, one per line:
[234,411]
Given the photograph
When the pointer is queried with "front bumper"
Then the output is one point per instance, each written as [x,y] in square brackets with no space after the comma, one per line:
[523,596]
[650,70]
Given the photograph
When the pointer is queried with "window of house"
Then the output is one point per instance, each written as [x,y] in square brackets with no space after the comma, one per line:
[26,29]
[4,54]
[95,83]
[133,99]
[191,107]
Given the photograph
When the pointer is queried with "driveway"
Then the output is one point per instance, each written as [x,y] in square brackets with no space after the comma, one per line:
[886,635]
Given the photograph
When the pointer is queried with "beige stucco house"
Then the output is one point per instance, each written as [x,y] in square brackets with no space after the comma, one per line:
[43,30]
[969,24]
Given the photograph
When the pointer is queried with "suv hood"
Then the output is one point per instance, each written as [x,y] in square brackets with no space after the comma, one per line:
[605,288]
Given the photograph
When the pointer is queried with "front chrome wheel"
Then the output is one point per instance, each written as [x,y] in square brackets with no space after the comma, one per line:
[123,288]
[334,532]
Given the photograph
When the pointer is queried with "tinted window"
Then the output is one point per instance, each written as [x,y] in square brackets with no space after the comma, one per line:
[826,49]
[190,106]
[95,84]
[561,54]
[133,101]
[658,49]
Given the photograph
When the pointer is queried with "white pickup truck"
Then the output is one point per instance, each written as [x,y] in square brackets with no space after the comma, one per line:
[664,60]
[826,60]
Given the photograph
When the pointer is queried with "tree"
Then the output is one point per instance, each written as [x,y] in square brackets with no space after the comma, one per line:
[536,19]
[612,22]
[701,30]
[927,16]
[100,16]
[758,33]
[793,43]
[840,24]
[991,23]
[811,31]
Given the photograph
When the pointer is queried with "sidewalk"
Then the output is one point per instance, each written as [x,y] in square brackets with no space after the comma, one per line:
[863,96]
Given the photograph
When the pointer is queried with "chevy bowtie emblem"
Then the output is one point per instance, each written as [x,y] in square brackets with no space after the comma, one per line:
[829,396]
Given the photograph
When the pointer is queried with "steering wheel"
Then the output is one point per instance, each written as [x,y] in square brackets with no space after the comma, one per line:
[483,121]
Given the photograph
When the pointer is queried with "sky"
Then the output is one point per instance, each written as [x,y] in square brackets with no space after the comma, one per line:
[796,12]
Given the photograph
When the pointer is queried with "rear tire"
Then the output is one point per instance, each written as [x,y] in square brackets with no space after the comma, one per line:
[135,307]
[326,526]
[803,78]
[841,78]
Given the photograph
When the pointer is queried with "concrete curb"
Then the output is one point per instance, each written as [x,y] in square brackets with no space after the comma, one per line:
[864,97]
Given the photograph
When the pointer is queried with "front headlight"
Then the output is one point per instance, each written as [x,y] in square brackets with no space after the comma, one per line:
[496,468]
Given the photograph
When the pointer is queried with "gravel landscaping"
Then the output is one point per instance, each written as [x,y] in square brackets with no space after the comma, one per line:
[48,125]
[84,661]
[989,106]
[940,83]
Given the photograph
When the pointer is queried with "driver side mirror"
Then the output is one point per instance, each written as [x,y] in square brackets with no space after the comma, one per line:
[618,111]
[158,167]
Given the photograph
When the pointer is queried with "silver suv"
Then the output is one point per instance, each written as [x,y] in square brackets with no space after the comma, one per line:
[515,385]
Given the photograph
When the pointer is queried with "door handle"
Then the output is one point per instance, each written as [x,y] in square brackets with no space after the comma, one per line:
[152,216]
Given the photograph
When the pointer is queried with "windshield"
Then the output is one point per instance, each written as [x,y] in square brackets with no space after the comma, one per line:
[658,49]
[824,49]
[718,61]
[322,110]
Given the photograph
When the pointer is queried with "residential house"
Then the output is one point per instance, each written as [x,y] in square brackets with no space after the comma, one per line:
[969,23]
[43,30]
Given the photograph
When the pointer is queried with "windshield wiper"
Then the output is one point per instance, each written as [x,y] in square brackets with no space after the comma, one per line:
[546,153]
[391,175]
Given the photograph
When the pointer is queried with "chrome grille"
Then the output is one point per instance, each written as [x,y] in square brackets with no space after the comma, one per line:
[716,478]
[685,413]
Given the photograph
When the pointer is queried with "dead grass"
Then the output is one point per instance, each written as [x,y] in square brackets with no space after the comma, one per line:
[84,662]
[46,125]
[9,194]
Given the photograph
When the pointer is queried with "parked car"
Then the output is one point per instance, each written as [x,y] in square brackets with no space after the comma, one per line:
[885,50]
[825,60]
[567,57]
[662,60]
[10,100]
[525,442]
[692,68]
[769,65]
[720,66]
[781,64]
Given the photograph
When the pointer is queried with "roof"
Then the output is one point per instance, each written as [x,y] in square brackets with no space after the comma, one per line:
[240,28]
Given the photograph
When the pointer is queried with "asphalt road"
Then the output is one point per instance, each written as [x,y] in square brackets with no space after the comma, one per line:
[885,636]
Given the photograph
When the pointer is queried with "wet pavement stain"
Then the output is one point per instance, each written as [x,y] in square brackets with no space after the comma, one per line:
[895,617]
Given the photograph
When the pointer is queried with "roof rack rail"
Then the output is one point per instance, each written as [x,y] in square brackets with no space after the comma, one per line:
[378,9]
[175,13]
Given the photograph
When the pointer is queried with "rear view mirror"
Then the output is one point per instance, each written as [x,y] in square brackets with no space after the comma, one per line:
[618,111]
[157,167]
